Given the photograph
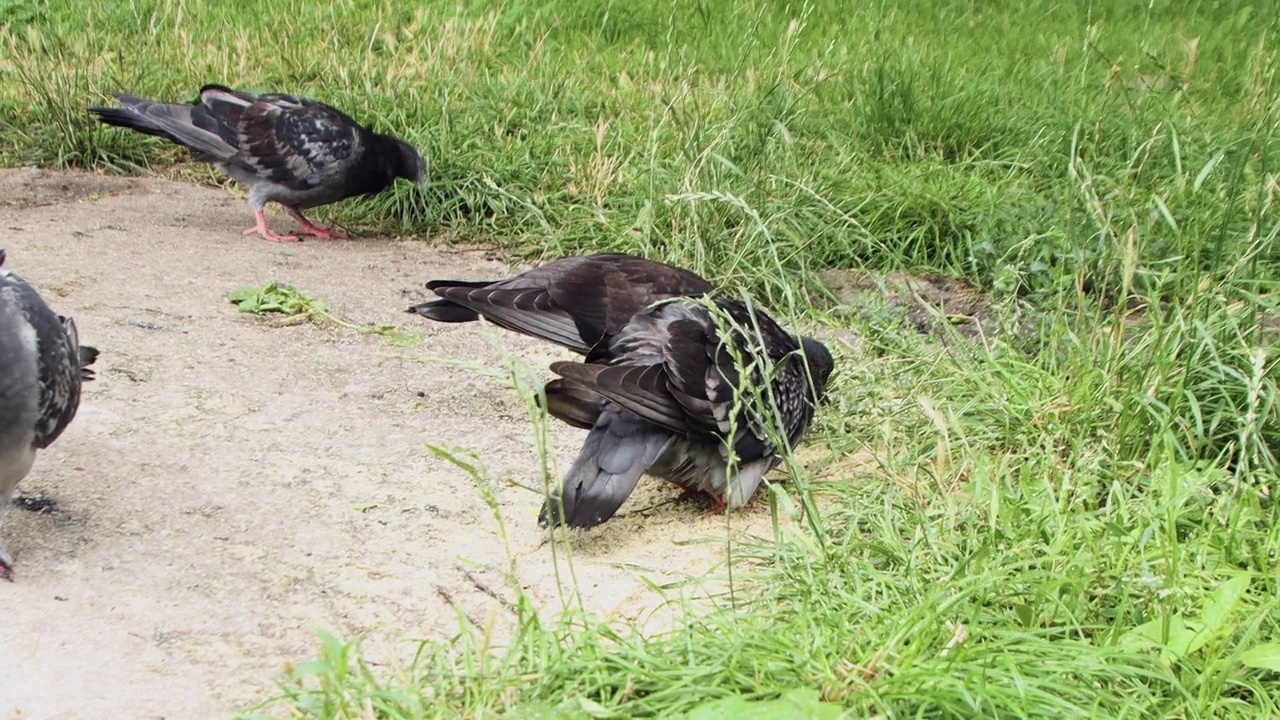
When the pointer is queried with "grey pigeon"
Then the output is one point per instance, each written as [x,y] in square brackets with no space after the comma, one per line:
[657,389]
[675,406]
[286,149]
[42,366]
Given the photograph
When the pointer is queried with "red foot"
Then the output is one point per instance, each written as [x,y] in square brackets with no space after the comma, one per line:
[261,229]
[309,228]
[718,505]
[6,571]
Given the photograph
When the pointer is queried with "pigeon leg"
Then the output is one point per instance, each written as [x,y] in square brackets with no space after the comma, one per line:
[690,493]
[718,505]
[309,228]
[6,562]
[261,229]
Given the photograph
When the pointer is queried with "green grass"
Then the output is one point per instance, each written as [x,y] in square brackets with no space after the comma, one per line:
[1073,518]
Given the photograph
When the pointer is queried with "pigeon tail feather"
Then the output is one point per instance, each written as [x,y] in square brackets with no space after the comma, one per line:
[88,355]
[619,449]
[173,122]
[128,118]
[445,311]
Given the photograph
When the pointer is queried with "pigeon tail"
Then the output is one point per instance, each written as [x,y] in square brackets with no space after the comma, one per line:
[88,355]
[618,450]
[176,123]
[446,311]
[129,118]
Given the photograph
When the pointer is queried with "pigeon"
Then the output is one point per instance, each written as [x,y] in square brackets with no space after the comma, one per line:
[666,397]
[575,302]
[287,149]
[630,316]
[42,366]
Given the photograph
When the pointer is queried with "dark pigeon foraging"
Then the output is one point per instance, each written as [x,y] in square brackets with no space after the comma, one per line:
[670,386]
[285,149]
[657,389]
[42,366]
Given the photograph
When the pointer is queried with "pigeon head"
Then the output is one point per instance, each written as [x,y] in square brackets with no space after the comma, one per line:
[405,160]
[818,364]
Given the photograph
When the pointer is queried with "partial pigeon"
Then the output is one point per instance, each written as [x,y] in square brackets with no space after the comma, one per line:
[676,406]
[657,391]
[286,149]
[42,366]
[575,302]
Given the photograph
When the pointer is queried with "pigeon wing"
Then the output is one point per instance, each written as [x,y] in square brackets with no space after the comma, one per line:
[573,404]
[640,389]
[528,311]
[576,302]
[58,359]
[60,379]
[290,141]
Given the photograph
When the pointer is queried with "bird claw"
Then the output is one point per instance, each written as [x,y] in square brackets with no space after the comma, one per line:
[717,507]
[323,233]
[268,235]
[6,570]
[310,228]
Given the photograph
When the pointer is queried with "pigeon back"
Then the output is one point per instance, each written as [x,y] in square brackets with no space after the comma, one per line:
[52,342]
[575,302]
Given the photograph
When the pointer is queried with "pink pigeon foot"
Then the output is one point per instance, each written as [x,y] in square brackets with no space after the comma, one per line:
[261,229]
[718,505]
[309,228]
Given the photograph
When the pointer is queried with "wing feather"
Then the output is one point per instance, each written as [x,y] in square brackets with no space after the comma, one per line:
[527,311]
[298,144]
[58,359]
[641,390]
[577,302]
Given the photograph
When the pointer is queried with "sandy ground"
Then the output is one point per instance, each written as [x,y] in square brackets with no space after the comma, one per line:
[228,485]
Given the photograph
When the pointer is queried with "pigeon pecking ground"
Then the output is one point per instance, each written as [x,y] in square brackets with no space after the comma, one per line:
[659,389]
[286,149]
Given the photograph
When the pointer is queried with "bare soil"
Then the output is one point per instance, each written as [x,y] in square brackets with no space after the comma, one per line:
[229,485]
[931,304]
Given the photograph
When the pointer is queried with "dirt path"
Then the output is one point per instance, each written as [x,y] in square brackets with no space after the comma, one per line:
[229,486]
